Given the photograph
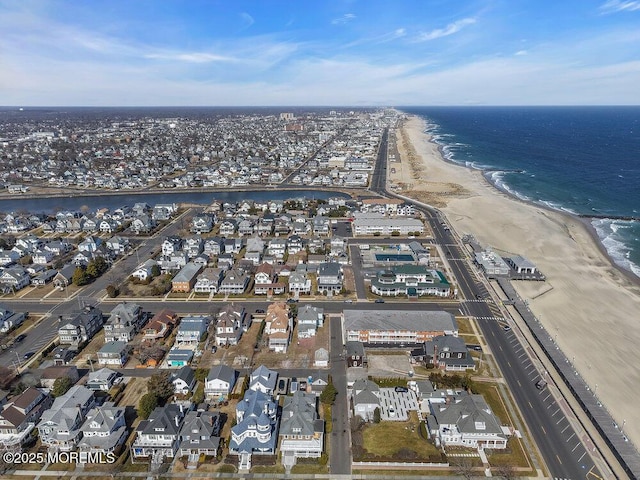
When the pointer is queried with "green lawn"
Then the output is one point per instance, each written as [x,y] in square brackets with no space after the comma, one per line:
[386,439]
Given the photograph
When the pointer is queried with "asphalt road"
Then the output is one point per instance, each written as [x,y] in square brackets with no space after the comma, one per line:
[563,452]
[341,435]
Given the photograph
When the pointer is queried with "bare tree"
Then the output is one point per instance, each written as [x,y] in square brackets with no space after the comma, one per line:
[462,466]
[507,471]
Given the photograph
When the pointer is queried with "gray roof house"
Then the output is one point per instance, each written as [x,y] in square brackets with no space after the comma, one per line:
[124,322]
[365,399]
[102,379]
[200,434]
[80,326]
[234,282]
[309,319]
[104,429]
[158,437]
[114,353]
[191,329]
[231,324]
[448,353]
[301,430]
[257,429]
[19,416]
[59,426]
[184,380]
[220,382]
[329,278]
[468,422]
[263,379]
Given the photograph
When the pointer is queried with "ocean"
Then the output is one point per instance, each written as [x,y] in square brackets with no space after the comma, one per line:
[580,160]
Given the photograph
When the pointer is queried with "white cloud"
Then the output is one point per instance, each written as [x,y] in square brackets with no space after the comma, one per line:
[613,6]
[344,19]
[521,53]
[247,19]
[450,29]
[194,57]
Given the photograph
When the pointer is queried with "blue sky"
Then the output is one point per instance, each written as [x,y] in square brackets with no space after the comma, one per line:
[343,52]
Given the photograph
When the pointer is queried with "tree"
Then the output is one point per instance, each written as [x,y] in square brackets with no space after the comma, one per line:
[112,291]
[152,352]
[61,386]
[155,271]
[328,395]
[148,402]
[7,375]
[97,267]
[376,415]
[506,471]
[80,277]
[160,385]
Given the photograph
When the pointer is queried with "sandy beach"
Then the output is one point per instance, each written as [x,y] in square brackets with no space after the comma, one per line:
[591,306]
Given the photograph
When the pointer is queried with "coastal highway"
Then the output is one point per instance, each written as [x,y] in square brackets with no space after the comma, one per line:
[562,449]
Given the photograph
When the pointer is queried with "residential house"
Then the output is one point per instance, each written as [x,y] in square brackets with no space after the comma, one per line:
[309,319]
[294,244]
[228,227]
[160,325]
[171,245]
[162,212]
[124,322]
[62,356]
[185,279]
[256,430]
[158,437]
[330,278]
[232,323]
[191,330]
[193,246]
[448,353]
[184,380]
[89,245]
[102,380]
[277,247]
[209,280]
[355,354]
[301,429]
[50,374]
[200,434]
[365,395]
[264,380]
[114,353]
[59,427]
[467,422]
[299,283]
[320,225]
[104,430]
[64,277]
[79,327]
[278,326]
[14,278]
[7,257]
[20,416]
[234,283]
[145,271]
[118,245]
[265,281]
[246,227]
[179,357]
[43,257]
[213,246]
[232,245]
[202,223]
[142,223]
[220,382]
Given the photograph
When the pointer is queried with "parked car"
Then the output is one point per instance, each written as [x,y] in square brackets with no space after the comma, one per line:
[20,337]
[402,389]
[28,355]
[379,300]
[506,328]
[292,300]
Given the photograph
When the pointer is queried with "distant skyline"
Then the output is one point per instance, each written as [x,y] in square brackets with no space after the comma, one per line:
[343,52]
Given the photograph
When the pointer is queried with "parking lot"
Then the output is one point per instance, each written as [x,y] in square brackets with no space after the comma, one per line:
[395,406]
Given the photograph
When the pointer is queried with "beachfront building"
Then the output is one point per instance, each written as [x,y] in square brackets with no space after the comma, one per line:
[492,264]
[410,280]
[301,429]
[379,224]
[397,327]
[467,422]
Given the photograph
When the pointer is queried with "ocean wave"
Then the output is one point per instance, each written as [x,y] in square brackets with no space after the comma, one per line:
[496,177]
[608,231]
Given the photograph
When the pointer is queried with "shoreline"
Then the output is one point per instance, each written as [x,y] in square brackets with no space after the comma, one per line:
[584,219]
[588,301]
